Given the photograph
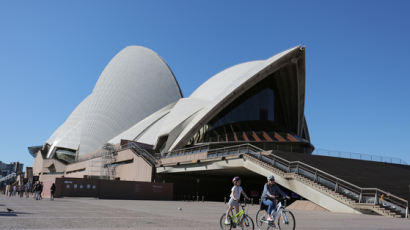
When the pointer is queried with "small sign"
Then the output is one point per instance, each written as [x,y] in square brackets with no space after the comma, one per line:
[157,188]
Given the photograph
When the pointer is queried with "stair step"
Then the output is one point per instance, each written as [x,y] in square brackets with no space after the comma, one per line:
[329,191]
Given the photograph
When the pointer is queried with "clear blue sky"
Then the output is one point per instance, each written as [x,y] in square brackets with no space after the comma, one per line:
[357,60]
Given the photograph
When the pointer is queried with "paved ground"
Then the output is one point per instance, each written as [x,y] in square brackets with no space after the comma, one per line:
[86,213]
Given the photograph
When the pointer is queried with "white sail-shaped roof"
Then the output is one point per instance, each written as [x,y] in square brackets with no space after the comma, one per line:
[188,114]
[135,84]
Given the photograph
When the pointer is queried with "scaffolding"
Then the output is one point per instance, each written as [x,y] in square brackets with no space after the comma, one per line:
[103,166]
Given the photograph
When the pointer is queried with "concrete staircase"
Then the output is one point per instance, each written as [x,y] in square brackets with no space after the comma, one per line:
[364,208]
[361,207]
[318,186]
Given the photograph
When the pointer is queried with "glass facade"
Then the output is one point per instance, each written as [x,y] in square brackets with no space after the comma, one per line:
[250,117]
[264,114]
[258,105]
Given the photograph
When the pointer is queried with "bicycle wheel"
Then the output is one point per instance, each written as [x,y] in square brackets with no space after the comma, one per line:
[246,223]
[222,222]
[286,220]
[261,221]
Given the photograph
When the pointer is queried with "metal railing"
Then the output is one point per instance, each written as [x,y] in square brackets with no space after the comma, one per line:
[139,150]
[357,194]
[187,151]
[234,150]
[359,156]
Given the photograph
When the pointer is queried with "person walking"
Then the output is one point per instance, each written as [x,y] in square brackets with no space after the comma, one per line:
[21,190]
[52,191]
[41,190]
[36,190]
[27,189]
[14,190]
[8,192]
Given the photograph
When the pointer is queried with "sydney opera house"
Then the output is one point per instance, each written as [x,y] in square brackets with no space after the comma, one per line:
[246,120]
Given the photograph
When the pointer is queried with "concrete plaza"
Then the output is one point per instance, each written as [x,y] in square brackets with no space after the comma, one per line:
[88,213]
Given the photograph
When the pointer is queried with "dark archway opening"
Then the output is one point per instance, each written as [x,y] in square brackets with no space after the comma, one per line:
[215,185]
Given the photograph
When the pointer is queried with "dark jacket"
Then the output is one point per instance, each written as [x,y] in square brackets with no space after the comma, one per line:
[271,190]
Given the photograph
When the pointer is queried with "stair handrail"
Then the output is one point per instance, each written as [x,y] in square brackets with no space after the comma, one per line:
[245,146]
[191,150]
[8,177]
[336,180]
[184,151]
[141,151]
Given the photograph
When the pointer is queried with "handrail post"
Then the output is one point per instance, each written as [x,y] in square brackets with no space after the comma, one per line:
[336,185]
[360,196]
[407,212]
[375,197]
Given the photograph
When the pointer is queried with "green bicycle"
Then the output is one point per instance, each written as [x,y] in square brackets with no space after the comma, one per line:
[240,220]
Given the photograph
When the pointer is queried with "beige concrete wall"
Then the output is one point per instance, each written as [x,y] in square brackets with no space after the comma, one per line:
[38,164]
[59,166]
[50,177]
[74,167]
[124,155]
[138,170]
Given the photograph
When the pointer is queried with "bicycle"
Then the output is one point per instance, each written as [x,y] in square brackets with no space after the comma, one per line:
[285,218]
[241,219]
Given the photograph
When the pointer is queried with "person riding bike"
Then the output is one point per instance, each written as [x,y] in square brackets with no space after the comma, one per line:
[236,192]
[268,195]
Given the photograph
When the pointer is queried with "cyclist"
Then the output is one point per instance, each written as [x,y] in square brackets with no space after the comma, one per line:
[236,192]
[268,195]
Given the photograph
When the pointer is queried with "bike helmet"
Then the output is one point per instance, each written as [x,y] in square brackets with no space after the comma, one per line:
[271,177]
[236,179]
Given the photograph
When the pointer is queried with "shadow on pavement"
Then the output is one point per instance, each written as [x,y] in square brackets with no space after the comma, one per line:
[3,213]
[8,214]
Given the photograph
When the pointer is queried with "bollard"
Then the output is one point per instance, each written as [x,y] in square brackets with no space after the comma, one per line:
[197,198]
[252,201]
[193,198]
[260,201]
[203,199]
[225,200]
